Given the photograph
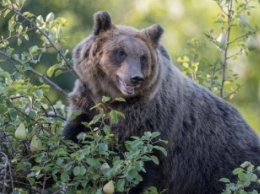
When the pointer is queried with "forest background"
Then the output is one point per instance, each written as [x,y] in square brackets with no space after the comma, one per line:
[183,21]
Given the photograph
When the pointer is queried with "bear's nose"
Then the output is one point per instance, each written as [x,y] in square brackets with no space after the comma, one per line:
[137,79]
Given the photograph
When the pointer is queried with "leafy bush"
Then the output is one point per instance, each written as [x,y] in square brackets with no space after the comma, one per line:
[246,176]
[33,154]
[96,161]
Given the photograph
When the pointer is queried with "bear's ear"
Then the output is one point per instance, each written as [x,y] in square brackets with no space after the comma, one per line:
[154,33]
[102,22]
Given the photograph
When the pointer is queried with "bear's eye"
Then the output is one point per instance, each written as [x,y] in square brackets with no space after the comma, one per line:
[121,54]
[143,58]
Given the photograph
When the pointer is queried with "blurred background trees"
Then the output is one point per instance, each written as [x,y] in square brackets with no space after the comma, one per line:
[183,21]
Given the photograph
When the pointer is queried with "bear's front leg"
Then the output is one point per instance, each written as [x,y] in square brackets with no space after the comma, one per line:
[74,127]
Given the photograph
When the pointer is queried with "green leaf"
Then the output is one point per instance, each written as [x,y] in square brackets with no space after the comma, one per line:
[59,161]
[45,87]
[91,161]
[245,164]
[253,178]
[139,165]
[147,134]
[96,106]
[155,134]
[58,72]
[95,119]
[102,147]
[64,177]
[163,150]
[113,116]
[19,29]
[76,171]
[38,93]
[6,12]
[40,19]
[132,154]
[33,49]
[51,70]
[225,180]
[242,176]
[19,41]
[254,192]
[120,99]
[106,129]
[155,159]
[32,114]
[50,17]
[237,171]
[120,185]
[105,99]
[75,114]
[116,166]
[5,2]
[136,143]
[99,191]
[131,174]
[120,114]
[28,14]
[20,3]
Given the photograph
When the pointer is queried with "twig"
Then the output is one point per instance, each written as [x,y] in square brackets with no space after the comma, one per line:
[54,110]
[224,63]
[68,64]
[242,36]
[47,80]
[236,54]
[16,35]
[7,167]
[233,92]
[214,70]
[55,116]
[34,120]
[16,97]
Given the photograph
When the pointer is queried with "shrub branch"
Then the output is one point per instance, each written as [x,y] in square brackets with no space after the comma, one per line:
[44,77]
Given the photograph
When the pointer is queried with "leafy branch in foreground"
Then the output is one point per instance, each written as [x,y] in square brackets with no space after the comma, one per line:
[27,112]
[246,176]
[98,163]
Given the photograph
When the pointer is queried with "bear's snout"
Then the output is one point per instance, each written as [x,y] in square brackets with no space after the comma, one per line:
[137,79]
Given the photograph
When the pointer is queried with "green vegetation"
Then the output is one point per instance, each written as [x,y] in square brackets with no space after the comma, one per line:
[36,73]
[246,175]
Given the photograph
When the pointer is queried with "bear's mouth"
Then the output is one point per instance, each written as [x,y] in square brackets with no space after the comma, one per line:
[126,89]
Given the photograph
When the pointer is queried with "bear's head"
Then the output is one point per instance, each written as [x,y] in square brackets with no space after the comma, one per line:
[119,61]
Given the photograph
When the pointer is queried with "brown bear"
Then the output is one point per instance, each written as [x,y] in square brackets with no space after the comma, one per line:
[207,137]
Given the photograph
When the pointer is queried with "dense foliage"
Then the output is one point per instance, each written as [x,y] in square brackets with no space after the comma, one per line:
[32,152]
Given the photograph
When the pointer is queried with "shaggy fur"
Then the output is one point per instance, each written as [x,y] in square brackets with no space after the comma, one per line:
[207,137]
